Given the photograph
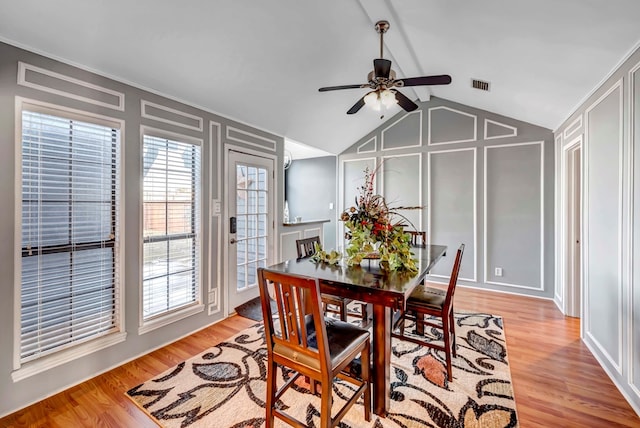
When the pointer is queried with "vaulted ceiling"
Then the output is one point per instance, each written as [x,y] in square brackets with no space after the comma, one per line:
[262,62]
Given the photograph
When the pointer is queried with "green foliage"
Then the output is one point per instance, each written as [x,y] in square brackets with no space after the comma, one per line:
[320,256]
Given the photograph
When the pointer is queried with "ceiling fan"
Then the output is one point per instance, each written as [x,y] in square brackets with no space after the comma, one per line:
[382,80]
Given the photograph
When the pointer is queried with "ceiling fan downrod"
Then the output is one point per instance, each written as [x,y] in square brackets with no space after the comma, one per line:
[381,28]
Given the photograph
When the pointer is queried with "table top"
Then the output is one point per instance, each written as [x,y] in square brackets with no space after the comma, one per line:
[366,282]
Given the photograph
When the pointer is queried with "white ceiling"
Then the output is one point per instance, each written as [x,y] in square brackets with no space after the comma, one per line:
[262,62]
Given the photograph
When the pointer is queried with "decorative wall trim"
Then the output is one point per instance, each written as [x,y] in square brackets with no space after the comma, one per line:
[630,248]
[23,80]
[375,145]
[573,127]
[315,231]
[262,142]
[215,144]
[586,325]
[419,144]
[475,208]
[514,130]
[486,267]
[558,230]
[177,114]
[475,126]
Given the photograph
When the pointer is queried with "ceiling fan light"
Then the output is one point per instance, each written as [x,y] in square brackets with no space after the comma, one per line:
[371,99]
[388,98]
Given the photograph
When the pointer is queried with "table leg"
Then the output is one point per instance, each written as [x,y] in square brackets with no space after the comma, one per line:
[381,359]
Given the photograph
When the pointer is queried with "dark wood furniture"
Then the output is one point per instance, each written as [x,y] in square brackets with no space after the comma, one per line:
[437,304]
[306,248]
[301,343]
[385,290]
[418,238]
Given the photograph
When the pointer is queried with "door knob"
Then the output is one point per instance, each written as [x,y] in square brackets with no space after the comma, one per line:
[233,241]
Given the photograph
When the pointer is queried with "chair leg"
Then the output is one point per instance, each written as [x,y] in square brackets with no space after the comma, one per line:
[447,345]
[271,393]
[419,323]
[326,399]
[365,363]
[452,326]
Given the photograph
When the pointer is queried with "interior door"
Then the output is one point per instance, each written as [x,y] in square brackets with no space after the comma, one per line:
[250,223]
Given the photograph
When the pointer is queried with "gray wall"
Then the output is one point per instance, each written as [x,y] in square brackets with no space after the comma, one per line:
[608,124]
[15,395]
[483,179]
[310,186]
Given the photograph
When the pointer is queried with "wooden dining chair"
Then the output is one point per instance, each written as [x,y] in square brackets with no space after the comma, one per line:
[310,345]
[306,248]
[418,238]
[437,305]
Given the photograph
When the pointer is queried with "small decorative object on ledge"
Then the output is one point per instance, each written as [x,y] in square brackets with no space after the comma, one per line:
[374,232]
[321,256]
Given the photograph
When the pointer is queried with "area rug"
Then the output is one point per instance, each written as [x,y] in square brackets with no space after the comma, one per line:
[225,386]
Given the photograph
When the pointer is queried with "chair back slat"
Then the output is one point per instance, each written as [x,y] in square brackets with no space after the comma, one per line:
[292,293]
[306,247]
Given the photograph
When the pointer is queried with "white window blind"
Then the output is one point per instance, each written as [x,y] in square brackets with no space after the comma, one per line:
[171,236]
[70,192]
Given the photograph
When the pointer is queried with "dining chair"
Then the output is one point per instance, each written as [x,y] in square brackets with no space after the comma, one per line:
[418,238]
[437,305]
[311,345]
[306,248]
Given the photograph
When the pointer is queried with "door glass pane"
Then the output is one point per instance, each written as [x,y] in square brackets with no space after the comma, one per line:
[251,221]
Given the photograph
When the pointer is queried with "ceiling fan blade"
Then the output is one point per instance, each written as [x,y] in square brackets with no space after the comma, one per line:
[405,102]
[357,106]
[335,88]
[381,67]
[442,79]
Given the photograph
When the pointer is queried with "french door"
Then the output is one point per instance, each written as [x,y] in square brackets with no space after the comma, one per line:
[250,223]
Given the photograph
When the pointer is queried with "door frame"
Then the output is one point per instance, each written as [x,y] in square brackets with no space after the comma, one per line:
[570,258]
[273,244]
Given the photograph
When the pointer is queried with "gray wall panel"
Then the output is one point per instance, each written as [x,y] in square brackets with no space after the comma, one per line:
[310,187]
[603,214]
[513,214]
[402,188]
[447,125]
[452,209]
[403,133]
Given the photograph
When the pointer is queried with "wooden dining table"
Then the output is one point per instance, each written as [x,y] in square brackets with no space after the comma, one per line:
[385,290]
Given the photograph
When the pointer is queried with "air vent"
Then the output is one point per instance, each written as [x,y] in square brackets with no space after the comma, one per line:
[480,84]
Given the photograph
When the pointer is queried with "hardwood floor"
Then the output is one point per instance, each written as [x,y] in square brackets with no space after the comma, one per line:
[557,381]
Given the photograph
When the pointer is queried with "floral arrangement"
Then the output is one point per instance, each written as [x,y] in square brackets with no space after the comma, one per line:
[321,256]
[375,230]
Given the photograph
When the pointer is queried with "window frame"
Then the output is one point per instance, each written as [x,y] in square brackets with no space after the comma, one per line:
[172,315]
[22,370]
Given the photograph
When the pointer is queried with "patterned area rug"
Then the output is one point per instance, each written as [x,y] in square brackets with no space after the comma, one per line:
[225,386]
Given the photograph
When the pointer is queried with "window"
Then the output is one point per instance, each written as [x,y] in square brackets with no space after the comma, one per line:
[171,236]
[70,199]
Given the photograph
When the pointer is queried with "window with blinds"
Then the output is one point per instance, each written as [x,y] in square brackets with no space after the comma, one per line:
[171,236]
[70,196]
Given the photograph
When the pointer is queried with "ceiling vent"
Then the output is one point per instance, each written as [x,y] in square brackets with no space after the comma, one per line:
[480,84]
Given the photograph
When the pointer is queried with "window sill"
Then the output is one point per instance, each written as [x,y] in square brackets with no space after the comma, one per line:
[170,318]
[40,365]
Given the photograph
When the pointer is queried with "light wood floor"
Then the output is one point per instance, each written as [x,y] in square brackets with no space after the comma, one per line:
[557,381]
